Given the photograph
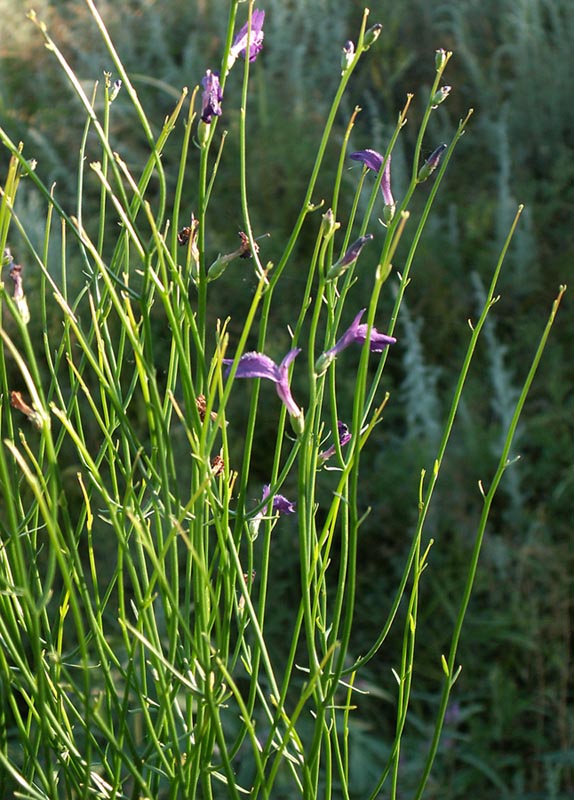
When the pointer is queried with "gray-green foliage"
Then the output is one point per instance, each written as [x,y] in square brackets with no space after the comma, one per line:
[503,395]
[518,54]
[419,392]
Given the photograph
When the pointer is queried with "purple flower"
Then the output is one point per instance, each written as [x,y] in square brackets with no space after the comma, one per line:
[357,334]
[239,46]
[258,365]
[373,160]
[212,96]
[344,438]
[280,504]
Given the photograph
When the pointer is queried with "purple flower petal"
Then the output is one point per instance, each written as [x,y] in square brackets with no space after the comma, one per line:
[356,333]
[374,161]
[348,337]
[280,503]
[258,365]
[370,158]
[344,434]
[377,342]
[291,356]
[283,389]
[254,365]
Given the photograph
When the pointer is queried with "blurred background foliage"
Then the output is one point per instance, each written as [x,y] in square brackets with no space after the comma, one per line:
[510,732]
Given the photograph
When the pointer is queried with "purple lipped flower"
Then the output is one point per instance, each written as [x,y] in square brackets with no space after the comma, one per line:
[350,255]
[280,504]
[344,438]
[374,161]
[356,333]
[212,96]
[258,365]
[239,46]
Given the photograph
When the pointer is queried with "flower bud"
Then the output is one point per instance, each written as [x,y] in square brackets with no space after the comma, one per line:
[254,524]
[349,257]
[389,212]
[218,267]
[348,55]
[372,35]
[23,310]
[116,86]
[440,96]
[245,250]
[323,363]
[328,224]
[431,163]
[298,423]
[440,59]
[188,236]
[203,129]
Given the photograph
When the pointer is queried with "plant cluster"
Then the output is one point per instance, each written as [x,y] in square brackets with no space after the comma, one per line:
[151,644]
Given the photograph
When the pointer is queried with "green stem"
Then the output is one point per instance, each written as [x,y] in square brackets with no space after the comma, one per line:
[488,497]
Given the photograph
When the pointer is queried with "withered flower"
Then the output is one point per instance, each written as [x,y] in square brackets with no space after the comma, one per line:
[217,465]
[18,402]
[201,405]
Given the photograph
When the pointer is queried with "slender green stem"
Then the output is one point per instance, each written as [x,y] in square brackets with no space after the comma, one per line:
[488,497]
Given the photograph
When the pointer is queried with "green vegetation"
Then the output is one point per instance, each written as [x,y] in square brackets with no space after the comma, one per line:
[162,633]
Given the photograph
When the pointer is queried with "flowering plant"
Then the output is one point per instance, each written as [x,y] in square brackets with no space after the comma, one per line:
[141,564]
